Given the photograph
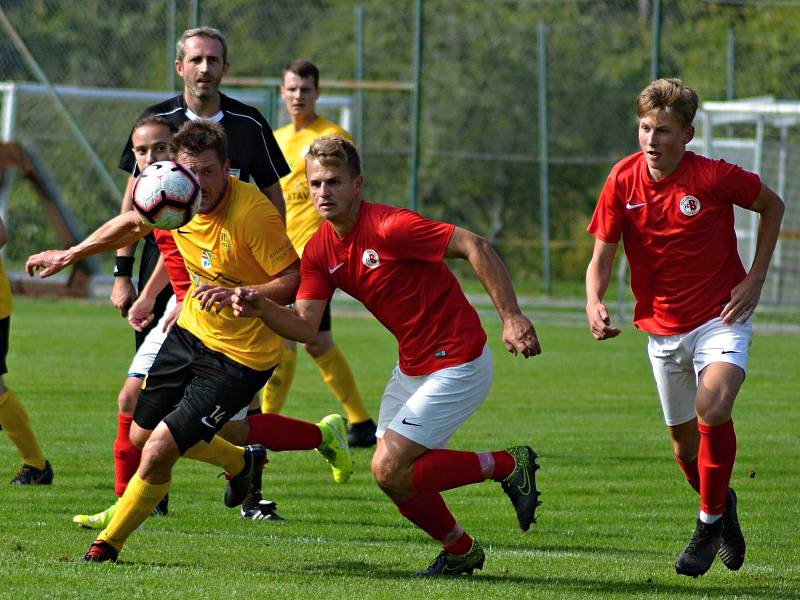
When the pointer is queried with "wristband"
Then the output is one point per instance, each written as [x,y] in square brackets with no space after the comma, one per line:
[123,267]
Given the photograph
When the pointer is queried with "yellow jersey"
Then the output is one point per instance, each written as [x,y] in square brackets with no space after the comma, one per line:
[302,220]
[241,242]
[5,292]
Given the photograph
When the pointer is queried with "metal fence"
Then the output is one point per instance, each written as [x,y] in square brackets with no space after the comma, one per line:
[523,104]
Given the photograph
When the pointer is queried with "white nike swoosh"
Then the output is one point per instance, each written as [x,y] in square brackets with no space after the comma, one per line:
[629,205]
[333,270]
[206,423]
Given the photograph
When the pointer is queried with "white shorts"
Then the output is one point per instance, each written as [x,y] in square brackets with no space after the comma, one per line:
[146,354]
[428,409]
[678,359]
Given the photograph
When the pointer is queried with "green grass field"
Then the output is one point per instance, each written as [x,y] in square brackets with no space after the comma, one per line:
[616,511]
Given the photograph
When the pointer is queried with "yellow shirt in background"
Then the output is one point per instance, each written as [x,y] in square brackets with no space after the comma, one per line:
[5,292]
[241,242]
[302,220]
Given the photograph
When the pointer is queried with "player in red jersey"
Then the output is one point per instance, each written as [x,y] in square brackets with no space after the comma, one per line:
[392,260]
[674,211]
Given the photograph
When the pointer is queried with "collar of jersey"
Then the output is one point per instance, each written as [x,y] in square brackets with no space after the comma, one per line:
[195,117]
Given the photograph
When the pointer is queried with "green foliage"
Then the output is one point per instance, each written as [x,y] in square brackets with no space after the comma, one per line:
[479,163]
[616,510]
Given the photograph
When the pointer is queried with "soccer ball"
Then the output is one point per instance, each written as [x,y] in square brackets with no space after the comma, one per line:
[166,195]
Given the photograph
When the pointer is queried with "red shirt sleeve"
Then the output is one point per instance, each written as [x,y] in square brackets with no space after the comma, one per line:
[411,236]
[734,184]
[606,224]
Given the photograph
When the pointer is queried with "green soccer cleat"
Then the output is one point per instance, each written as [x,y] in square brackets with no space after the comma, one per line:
[520,485]
[451,565]
[99,520]
[334,447]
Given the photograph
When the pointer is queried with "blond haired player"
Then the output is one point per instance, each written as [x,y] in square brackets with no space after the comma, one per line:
[300,91]
[384,256]
[674,211]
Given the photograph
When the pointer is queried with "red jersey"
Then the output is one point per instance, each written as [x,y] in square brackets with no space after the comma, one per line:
[173,261]
[393,262]
[678,236]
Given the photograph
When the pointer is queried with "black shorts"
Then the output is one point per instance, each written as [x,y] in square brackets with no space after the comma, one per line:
[325,323]
[5,325]
[147,265]
[194,390]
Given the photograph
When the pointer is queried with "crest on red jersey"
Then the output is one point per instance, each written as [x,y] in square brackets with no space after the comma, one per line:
[690,206]
[370,258]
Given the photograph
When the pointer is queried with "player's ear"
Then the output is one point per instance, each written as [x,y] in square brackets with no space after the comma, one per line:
[689,135]
[358,183]
[225,68]
[226,168]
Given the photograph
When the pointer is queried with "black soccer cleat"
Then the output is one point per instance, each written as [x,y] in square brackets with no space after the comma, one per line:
[100,551]
[162,508]
[698,556]
[362,435]
[520,485]
[451,565]
[263,510]
[732,547]
[28,475]
[255,457]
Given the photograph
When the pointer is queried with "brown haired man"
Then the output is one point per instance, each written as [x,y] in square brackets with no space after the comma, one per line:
[674,210]
[211,362]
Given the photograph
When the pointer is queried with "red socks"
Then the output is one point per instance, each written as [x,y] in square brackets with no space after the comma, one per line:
[715,465]
[428,511]
[690,471]
[439,470]
[277,433]
[126,455]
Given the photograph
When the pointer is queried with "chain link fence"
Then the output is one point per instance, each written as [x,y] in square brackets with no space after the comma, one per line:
[481,78]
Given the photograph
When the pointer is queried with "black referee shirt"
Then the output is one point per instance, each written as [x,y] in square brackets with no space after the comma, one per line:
[252,150]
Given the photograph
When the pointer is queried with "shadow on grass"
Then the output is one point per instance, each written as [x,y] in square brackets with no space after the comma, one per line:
[554,584]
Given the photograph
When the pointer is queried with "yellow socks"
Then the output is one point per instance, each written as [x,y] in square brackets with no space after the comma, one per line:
[136,504]
[274,394]
[339,378]
[17,426]
[218,452]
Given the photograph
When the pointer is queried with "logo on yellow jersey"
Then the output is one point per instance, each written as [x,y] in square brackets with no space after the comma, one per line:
[225,240]
[205,259]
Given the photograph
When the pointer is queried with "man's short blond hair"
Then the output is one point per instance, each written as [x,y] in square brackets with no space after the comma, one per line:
[335,151]
[671,96]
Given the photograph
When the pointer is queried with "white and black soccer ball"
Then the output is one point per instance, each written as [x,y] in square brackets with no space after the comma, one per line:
[166,195]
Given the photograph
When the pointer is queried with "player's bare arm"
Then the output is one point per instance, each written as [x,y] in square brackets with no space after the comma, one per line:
[519,335]
[123,293]
[281,288]
[141,313]
[300,324]
[745,295]
[120,231]
[598,276]
[275,195]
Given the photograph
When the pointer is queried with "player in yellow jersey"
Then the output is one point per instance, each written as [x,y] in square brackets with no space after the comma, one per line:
[300,91]
[211,363]
[13,418]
